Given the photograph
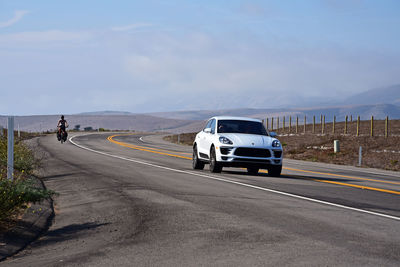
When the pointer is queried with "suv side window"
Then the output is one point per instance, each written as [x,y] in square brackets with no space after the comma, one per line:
[208,125]
[213,126]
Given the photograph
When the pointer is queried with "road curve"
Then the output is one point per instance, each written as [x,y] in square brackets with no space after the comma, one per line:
[134,200]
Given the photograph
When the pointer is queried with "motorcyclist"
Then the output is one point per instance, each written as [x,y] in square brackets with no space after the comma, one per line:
[62,125]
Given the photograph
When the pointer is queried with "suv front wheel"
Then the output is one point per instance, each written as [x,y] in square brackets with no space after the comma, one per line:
[215,167]
[275,170]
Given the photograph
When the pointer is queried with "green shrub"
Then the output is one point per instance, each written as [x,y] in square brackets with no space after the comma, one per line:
[14,195]
[24,160]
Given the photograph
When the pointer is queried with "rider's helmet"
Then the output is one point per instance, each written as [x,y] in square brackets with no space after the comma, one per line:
[62,117]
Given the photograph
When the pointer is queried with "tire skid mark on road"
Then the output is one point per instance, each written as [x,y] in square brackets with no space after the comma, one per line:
[169,153]
[227,180]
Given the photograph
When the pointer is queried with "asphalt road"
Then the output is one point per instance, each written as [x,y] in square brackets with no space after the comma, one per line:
[135,200]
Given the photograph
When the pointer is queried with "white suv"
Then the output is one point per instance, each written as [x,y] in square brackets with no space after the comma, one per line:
[237,142]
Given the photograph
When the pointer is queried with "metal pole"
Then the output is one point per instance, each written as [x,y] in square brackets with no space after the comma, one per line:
[283,124]
[305,122]
[297,124]
[360,156]
[323,125]
[345,125]
[272,123]
[358,126]
[10,149]
[267,123]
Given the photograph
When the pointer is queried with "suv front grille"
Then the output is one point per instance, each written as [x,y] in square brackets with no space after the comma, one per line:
[252,152]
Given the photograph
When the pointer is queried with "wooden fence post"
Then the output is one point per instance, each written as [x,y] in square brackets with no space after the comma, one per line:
[272,123]
[283,124]
[267,124]
[333,125]
[345,125]
[305,122]
[277,124]
[372,125]
[323,125]
[313,124]
[358,126]
[297,124]
[290,124]
[387,126]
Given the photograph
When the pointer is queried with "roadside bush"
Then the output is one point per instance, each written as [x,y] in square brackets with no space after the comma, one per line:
[24,161]
[14,195]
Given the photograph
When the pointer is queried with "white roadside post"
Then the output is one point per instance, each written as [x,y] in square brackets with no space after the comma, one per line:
[336,146]
[360,156]
[10,149]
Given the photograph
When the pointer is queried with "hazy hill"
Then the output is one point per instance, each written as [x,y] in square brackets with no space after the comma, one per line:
[113,122]
[384,95]
[105,112]
[364,111]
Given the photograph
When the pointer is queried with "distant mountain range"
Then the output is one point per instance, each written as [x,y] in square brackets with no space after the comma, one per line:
[364,111]
[384,95]
[380,103]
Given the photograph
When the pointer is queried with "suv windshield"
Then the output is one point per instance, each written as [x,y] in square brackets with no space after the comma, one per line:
[238,126]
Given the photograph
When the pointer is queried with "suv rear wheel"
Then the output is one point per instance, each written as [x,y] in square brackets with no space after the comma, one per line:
[197,163]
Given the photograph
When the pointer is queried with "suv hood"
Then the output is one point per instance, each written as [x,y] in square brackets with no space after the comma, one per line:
[249,140]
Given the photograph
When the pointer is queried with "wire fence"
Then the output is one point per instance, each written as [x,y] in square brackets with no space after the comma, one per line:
[318,125]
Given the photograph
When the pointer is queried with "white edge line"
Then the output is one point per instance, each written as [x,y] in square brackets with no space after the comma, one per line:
[238,183]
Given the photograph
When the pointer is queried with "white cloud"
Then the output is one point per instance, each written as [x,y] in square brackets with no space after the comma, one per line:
[42,37]
[131,27]
[19,14]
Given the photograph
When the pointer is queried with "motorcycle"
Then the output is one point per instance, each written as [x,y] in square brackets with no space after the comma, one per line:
[61,135]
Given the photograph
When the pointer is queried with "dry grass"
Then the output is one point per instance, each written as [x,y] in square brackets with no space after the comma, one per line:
[378,151]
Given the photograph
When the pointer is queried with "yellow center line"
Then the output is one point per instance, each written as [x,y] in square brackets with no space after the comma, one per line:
[342,176]
[110,138]
[169,153]
[359,186]
[144,147]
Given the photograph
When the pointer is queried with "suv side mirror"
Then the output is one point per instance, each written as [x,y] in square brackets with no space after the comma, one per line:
[207,130]
[273,134]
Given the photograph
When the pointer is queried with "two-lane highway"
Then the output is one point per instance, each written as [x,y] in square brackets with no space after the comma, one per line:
[134,200]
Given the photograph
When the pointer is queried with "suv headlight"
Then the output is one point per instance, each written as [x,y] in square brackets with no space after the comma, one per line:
[276,143]
[225,141]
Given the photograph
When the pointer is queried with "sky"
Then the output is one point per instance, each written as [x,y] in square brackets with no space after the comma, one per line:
[150,56]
